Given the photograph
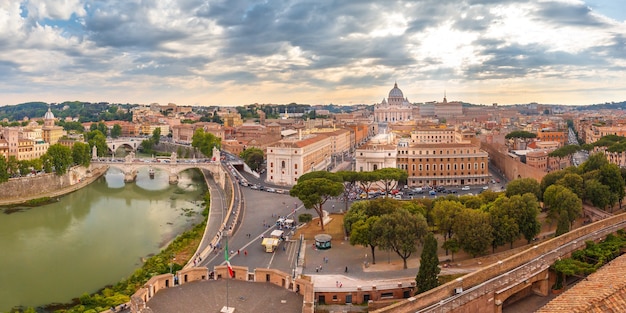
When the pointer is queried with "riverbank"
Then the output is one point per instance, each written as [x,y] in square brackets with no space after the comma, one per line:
[83,181]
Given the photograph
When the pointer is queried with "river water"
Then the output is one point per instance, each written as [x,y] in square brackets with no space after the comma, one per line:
[93,237]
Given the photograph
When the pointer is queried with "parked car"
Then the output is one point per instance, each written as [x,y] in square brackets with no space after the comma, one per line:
[465,188]
[485,187]
[270,189]
[432,192]
[281,191]
[255,187]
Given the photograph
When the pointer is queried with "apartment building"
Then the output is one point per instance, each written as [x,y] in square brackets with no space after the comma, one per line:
[289,158]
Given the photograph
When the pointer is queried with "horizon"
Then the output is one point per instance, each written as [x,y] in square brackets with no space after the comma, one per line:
[235,53]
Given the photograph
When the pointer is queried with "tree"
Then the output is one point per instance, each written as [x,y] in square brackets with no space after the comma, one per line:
[551,179]
[116,131]
[205,142]
[4,173]
[562,225]
[505,227]
[156,136]
[400,231]
[427,276]
[60,158]
[253,157]
[560,200]
[594,162]
[473,231]
[521,186]
[390,178]
[444,216]
[367,213]
[366,180]
[525,210]
[81,154]
[315,192]
[350,179]
[520,134]
[452,245]
[573,182]
[610,175]
[102,127]
[598,194]
[13,165]
[96,138]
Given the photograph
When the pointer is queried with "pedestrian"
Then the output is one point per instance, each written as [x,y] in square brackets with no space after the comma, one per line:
[340,284]
[346,270]
[317,269]
[237,251]
[336,283]
[245,252]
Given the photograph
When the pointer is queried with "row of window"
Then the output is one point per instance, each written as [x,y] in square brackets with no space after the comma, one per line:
[447,166]
[434,152]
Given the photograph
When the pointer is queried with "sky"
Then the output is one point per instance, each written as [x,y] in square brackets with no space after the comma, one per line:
[232,52]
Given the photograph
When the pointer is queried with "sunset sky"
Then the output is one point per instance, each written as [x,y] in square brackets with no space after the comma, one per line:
[207,52]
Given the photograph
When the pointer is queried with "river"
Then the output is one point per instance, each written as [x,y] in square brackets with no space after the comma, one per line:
[93,237]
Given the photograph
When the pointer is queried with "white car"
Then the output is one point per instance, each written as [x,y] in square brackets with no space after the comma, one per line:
[465,188]
[485,187]
[270,189]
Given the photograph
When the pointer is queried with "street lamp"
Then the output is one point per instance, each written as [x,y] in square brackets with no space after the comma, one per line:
[172,263]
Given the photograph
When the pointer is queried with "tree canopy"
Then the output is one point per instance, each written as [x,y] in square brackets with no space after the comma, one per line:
[520,134]
[253,157]
[315,192]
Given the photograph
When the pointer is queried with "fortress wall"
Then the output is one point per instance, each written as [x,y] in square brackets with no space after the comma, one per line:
[444,291]
[510,167]
[19,190]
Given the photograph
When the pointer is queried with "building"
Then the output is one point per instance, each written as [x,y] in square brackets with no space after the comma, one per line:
[379,152]
[51,133]
[395,108]
[288,159]
[560,136]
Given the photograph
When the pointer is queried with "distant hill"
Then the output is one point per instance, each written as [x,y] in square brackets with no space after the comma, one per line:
[86,111]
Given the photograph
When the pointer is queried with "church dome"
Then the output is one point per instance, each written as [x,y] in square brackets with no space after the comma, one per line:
[396,92]
[48,115]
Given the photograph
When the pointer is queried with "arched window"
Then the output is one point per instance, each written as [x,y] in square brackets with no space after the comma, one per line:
[282,164]
[296,166]
[375,167]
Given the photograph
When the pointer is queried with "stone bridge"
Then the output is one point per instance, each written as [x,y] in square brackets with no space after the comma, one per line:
[491,288]
[130,164]
[132,143]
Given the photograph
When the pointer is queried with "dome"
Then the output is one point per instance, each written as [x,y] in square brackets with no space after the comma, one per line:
[48,115]
[395,92]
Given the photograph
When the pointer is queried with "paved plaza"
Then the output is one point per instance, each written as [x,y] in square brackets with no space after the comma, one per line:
[210,296]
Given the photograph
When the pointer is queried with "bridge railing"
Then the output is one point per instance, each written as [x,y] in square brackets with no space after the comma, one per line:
[484,280]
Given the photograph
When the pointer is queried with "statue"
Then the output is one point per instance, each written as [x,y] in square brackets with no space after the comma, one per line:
[173,157]
[94,152]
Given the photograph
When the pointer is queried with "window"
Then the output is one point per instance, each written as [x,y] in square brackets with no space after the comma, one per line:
[271,164]
[421,168]
[296,166]
[282,164]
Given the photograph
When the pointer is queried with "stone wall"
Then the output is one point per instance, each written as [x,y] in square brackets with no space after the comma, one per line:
[447,290]
[19,190]
[511,168]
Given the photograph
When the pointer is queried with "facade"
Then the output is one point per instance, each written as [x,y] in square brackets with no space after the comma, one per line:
[444,164]
[288,159]
[395,108]
[51,133]
[379,152]
[559,136]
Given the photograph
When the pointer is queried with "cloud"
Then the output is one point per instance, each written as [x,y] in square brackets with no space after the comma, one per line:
[321,51]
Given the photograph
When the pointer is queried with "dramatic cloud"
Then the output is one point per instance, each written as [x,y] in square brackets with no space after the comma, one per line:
[230,52]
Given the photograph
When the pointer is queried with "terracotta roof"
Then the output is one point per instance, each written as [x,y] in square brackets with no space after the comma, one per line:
[602,291]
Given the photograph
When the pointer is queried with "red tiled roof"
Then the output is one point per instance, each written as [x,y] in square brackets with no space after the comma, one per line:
[602,291]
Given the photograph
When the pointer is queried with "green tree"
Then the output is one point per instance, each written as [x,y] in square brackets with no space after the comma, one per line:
[96,138]
[363,234]
[594,162]
[60,157]
[452,245]
[390,177]
[4,173]
[598,194]
[473,231]
[13,165]
[156,136]
[505,227]
[520,134]
[205,142]
[400,231]
[445,213]
[147,145]
[81,154]
[551,179]
[428,274]
[349,179]
[116,131]
[102,127]
[525,209]
[560,200]
[253,157]
[521,186]
[610,175]
[366,180]
[573,182]
[315,192]
[562,225]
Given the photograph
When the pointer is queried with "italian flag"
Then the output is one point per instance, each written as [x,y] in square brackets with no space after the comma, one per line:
[230,268]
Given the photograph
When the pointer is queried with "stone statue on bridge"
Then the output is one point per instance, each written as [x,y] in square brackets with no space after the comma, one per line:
[173,157]
[130,157]
[94,152]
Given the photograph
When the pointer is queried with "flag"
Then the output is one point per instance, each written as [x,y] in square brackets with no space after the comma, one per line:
[230,268]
